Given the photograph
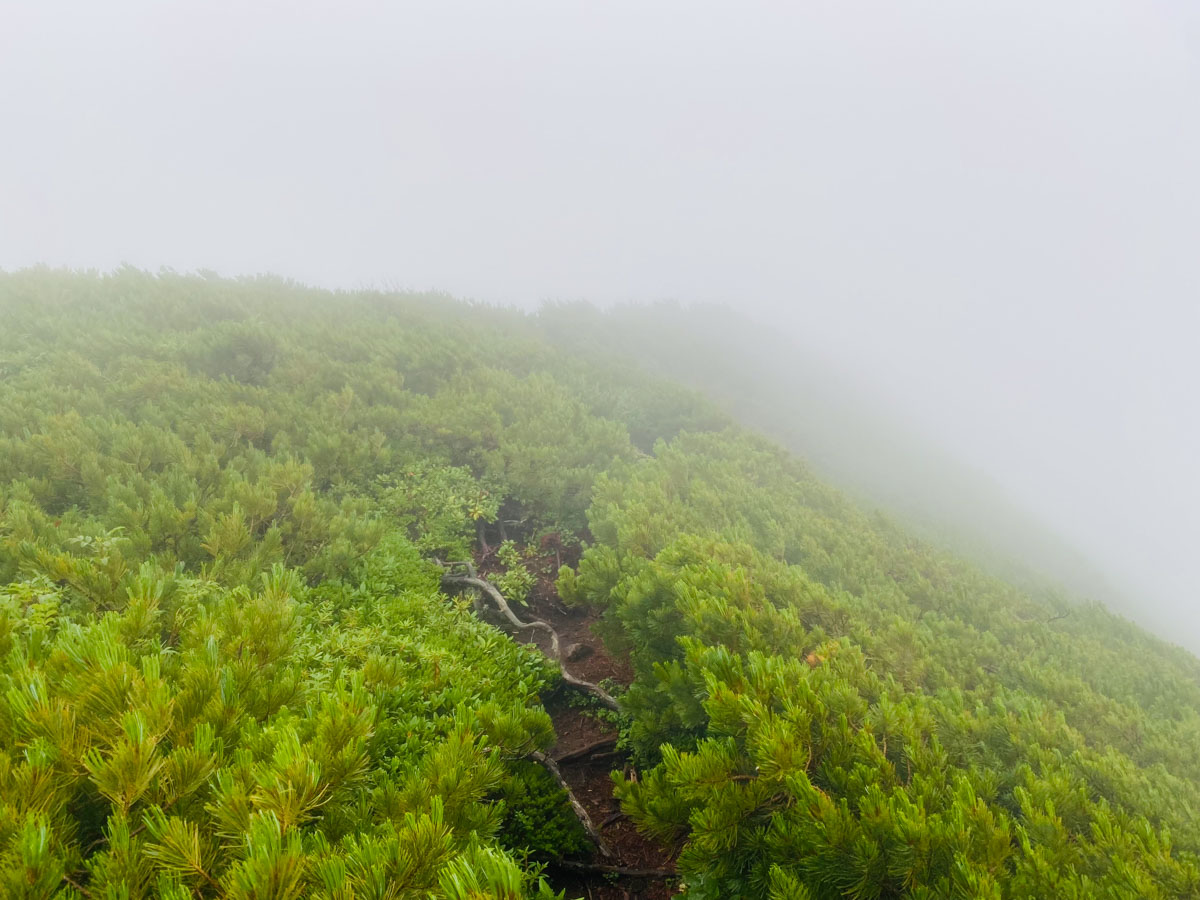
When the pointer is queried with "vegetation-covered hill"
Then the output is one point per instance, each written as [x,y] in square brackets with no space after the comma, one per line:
[761,376]
[229,666]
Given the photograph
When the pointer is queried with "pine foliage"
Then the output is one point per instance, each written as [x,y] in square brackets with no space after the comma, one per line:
[833,711]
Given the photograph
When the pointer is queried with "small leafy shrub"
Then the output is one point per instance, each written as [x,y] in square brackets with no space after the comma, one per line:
[439,505]
[538,819]
[517,581]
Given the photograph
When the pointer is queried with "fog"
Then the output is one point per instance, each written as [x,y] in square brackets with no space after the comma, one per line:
[984,216]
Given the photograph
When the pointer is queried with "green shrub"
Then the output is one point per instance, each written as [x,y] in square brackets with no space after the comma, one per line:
[538,819]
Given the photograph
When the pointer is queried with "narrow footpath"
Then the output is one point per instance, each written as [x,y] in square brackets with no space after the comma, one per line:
[636,867]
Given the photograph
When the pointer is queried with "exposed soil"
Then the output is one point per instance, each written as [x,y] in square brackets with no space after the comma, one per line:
[579,729]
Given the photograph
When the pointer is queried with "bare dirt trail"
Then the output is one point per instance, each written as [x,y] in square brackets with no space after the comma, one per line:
[637,868]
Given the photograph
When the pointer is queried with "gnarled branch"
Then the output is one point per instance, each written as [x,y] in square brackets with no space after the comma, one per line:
[580,813]
[602,868]
[450,580]
[604,746]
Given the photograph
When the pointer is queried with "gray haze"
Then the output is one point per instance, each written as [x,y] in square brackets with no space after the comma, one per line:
[985,214]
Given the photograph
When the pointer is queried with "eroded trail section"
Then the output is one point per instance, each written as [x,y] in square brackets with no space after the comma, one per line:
[626,865]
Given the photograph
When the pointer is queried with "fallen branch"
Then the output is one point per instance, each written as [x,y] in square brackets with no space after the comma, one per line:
[603,744]
[582,814]
[450,580]
[612,819]
[605,869]
[467,565]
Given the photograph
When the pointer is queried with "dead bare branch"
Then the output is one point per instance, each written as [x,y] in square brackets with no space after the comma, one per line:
[580,813]
[591,749]
[604,868]
[450,580]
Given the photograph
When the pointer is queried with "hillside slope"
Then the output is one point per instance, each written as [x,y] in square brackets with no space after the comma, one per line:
[765,381]
[230,666]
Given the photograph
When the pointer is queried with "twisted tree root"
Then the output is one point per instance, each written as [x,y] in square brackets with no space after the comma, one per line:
[573,866]
[450,580]
[602,747]
[580,813]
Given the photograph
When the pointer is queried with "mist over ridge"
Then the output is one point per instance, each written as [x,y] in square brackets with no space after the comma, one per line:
[573,450]
[848,434]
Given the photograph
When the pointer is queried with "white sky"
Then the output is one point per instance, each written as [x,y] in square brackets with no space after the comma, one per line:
[987,212]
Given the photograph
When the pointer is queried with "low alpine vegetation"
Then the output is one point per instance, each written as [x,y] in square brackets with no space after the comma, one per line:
[230,667]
